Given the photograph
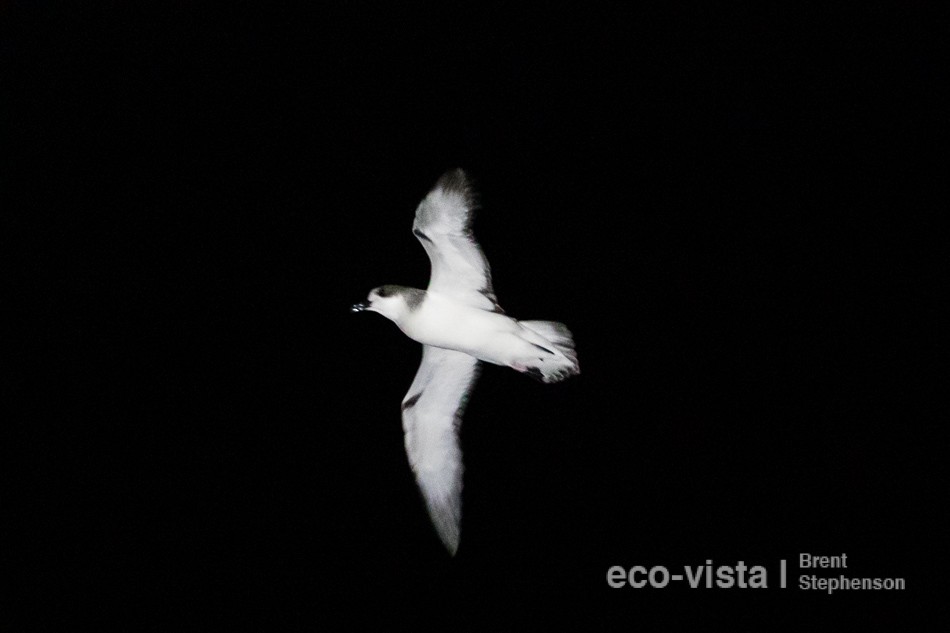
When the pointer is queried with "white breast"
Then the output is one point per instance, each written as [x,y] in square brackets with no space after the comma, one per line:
[442,322]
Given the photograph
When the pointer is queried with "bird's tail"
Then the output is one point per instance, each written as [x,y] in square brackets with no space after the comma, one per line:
[563,363]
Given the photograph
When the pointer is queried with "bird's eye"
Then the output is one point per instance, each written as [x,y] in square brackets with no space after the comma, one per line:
[382,292]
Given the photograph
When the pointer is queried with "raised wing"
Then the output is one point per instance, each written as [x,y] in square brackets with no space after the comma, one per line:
[431,416]
[443,225]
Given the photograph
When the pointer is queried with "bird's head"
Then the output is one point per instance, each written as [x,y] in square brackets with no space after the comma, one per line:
[393,302]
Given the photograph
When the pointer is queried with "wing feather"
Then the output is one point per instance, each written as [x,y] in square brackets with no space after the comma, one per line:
[431,417]
[443,224]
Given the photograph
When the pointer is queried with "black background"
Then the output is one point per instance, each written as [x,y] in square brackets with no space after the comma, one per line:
[731,210]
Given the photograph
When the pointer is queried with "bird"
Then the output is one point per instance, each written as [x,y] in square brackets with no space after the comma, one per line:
[460,325]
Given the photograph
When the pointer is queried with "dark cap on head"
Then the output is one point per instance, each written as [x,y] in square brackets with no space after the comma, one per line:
[413,296]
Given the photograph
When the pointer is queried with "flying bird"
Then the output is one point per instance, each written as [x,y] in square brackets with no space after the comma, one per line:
[460,324]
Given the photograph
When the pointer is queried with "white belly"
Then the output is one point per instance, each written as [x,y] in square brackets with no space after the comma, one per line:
[442,322]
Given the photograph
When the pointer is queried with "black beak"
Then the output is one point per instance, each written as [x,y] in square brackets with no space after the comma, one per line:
[359,307]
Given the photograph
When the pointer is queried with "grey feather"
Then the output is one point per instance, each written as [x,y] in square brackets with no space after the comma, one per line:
[432,416]
[443,225]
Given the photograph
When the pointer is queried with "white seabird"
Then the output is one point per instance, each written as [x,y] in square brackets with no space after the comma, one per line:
[459,323]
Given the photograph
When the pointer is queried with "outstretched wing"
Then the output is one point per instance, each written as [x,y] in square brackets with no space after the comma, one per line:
[431,416]
[443,225]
